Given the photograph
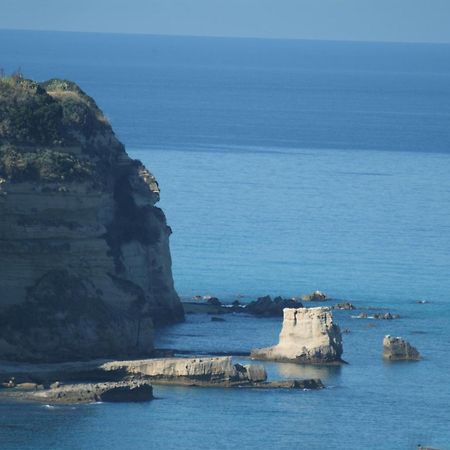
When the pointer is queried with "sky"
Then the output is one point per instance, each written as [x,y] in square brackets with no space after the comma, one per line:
[360,20]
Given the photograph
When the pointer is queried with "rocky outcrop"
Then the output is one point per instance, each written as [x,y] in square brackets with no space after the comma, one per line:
[316,296]
[121,377]
[398,349]
[85,267]
[265,306]
[346,306]
[308,336]
[121,391]
[198,371]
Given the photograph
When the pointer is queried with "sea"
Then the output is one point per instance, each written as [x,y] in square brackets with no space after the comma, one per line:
[285,166]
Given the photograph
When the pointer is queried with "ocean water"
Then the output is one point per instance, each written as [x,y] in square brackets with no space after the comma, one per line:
[284,167]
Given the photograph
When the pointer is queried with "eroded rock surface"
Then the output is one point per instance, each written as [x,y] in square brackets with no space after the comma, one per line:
[85,266]
[308,335]
[208,370]
[121,391]
[399,349]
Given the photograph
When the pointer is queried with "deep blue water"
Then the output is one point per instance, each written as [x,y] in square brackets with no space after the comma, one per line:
[285,166]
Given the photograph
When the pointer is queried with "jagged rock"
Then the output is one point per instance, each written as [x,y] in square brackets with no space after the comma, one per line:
[308,336]
[214,301]
[121,391]
[316,296]
[192,371]
[398,349]
[265,306]
[347,306]
[84,251]
[386,316]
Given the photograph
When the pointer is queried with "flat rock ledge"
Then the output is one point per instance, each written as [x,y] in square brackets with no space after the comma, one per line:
[132,380]
[308,336]
[122,391]
[208,371]
[399,349]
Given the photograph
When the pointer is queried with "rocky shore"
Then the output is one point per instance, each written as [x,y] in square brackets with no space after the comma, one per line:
[132,380]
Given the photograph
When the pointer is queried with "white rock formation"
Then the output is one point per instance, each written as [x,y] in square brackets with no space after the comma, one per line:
[308,336]
[208,369]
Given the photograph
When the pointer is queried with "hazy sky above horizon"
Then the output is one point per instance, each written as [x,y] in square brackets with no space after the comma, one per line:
[373,20]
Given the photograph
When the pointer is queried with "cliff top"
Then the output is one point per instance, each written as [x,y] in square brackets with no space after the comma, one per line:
[52,131]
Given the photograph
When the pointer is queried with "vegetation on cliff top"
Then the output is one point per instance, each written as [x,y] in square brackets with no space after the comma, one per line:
[39,123]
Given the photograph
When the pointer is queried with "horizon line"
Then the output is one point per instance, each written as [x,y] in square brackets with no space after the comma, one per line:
[194,36]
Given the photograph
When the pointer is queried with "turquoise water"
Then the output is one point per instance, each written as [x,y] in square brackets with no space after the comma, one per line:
[284,166]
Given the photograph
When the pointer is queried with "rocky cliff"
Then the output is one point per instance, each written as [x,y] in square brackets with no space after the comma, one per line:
[85,266]
[308,336]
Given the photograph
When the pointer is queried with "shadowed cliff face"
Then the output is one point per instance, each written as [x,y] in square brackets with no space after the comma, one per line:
[85,267]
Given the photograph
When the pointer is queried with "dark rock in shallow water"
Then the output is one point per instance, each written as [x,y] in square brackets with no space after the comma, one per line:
[316,296]
[386,316]
[214,301]
[84,251]
[347,306]
[121,391]
[312,384]
[398,349]
[265,306]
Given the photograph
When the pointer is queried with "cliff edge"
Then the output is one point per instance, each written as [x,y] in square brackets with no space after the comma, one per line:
[85,266]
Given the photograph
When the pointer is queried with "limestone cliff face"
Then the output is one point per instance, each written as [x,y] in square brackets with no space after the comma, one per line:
[308,336]
[85,266]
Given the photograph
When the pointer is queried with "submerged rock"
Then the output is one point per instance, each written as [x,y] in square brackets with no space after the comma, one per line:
[308,336]
[84,251]
[398,349]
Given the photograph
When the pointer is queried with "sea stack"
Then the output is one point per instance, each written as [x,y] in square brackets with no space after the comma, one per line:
[398,349]
[308,336]
[85,266]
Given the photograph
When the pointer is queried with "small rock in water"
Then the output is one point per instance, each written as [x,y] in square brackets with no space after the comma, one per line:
[386,316]
[345,306]
[399,349]
[316,296]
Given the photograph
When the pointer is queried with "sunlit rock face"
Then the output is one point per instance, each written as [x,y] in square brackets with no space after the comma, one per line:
[85,266]
[308,336]
[399,349]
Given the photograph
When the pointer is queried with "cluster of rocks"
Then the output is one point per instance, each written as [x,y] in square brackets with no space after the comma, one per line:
[378,316]
[266,306]
[347,306]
